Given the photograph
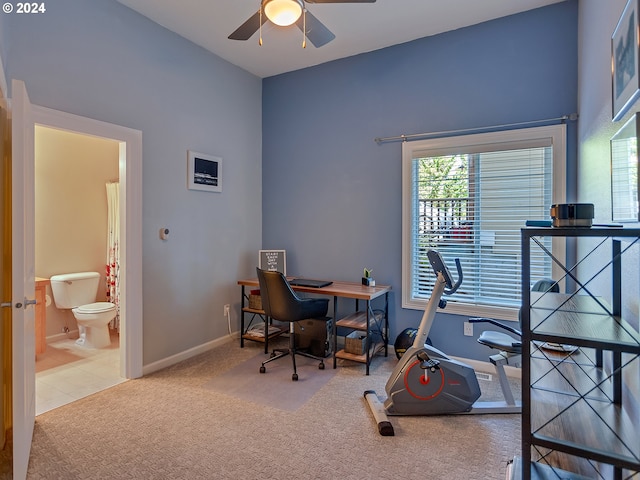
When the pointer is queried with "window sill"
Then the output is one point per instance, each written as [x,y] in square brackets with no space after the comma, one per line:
[468,310]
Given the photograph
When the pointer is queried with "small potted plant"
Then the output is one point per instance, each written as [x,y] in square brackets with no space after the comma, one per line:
[367,279]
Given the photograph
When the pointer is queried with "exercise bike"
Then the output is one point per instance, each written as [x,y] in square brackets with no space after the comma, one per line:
[428,382]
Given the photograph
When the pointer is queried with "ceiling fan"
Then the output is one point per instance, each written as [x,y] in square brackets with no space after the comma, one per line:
[287,12]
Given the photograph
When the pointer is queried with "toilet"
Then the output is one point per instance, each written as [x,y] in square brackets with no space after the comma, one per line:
[77,292]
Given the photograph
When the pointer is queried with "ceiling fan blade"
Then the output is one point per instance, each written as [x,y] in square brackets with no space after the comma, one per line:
[317,33]
[248,28]
[340,1]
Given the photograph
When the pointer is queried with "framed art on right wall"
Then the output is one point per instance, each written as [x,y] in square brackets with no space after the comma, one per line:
[624,172]
[625,80]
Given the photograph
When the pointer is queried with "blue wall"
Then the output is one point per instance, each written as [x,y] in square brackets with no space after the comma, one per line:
[332,196]
[100,59]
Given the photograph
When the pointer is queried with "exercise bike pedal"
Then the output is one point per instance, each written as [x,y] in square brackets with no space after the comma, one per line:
[428,363]
[432,365]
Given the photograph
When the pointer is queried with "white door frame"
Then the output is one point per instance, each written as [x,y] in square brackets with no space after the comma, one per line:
[130,178]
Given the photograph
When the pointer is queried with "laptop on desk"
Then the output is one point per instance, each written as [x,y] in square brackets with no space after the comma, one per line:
[307,282]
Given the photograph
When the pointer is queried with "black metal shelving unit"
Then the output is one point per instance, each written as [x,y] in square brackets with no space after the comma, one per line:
[580,410]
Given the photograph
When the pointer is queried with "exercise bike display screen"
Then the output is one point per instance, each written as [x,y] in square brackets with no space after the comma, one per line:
[438,265]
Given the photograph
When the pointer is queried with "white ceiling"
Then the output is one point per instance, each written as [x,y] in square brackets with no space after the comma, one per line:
[358,28]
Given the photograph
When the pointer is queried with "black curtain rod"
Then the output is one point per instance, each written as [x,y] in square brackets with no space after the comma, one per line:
[415,136]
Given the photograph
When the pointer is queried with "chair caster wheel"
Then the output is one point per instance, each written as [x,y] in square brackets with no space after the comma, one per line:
[294,377]
[321,366]
[263,369]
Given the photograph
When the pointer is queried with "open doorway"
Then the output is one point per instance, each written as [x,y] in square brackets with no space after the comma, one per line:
[75,231]
[126,145]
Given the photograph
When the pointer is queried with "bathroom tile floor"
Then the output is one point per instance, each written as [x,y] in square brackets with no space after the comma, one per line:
[66,372]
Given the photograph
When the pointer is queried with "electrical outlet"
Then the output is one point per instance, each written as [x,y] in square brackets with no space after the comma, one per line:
[468,329]
[226,310]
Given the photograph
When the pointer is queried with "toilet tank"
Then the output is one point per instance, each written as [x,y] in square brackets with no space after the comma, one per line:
[71,290]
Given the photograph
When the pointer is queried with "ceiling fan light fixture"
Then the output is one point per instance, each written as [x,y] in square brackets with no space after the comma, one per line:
[283,12]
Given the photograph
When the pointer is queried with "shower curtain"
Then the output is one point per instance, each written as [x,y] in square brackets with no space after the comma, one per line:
[113,250]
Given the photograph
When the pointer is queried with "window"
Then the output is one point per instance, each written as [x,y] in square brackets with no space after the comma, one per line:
[468,197]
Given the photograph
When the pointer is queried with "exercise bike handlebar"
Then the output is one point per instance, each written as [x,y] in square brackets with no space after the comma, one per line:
[438,265]
[452,290]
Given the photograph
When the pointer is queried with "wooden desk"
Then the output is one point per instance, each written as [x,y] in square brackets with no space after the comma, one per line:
[356,321]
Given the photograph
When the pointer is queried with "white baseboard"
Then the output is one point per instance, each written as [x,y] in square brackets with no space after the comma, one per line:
[192,352]
[62,336]
[477,365]
[166,362]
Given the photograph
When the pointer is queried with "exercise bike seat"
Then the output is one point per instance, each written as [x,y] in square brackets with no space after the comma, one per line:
[500,341]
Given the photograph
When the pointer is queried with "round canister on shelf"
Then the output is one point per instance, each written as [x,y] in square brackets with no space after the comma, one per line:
[572,214]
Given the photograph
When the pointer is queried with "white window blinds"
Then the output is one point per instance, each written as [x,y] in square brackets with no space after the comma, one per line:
[468,197]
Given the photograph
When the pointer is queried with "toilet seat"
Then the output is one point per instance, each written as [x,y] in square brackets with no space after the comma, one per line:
[97,307]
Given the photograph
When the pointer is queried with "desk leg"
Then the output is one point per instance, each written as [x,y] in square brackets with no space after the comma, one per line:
[386,324]
[368,338]
[334,330]
[242,298]
[267,322]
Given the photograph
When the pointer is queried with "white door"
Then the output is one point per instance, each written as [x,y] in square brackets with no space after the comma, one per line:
[23,277]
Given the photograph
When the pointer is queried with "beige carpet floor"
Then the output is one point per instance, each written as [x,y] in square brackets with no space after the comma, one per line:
[168,425]
[274,388]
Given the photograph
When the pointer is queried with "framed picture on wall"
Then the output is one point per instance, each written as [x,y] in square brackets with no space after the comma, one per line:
[204,172]
[273,261]
[625,80]
[624,172]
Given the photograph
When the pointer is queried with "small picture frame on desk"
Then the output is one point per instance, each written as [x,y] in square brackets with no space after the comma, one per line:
[273,261]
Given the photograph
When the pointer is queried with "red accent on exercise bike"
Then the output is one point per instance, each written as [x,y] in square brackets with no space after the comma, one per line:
[422,382]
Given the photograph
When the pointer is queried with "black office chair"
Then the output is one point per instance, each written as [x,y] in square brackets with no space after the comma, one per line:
[510,348]
[281,303]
